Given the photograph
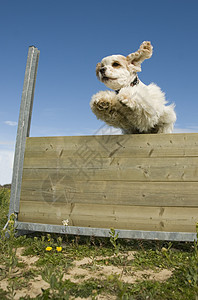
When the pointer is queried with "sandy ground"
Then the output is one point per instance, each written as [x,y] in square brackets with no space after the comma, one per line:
[83,270]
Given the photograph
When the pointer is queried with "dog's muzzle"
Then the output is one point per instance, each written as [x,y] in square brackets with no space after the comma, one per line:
[104,78]
[102,71]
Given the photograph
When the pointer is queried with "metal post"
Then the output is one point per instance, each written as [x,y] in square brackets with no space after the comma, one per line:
[23,126]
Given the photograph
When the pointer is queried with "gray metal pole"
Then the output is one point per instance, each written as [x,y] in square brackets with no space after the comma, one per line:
[23,126]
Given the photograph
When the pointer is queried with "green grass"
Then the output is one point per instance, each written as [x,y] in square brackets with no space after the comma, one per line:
[4,206]
[51,266]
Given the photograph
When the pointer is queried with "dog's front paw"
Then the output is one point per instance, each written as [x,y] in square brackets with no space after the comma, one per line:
[102,104]
[103,100]
[123,99]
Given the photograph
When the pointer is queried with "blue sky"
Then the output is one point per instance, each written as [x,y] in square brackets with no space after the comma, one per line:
[72,37]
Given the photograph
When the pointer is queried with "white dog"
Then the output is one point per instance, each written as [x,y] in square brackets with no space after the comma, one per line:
[132,106]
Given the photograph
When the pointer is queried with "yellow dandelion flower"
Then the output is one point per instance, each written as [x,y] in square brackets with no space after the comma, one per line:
[59,249]
[48,249]
[189,281]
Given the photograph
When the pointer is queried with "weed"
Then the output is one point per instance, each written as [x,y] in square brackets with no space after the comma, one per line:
[55,259]
[3,294]
[7,246]
[54,277]
[36,246]
[4,206]
[113,240]
[9,258]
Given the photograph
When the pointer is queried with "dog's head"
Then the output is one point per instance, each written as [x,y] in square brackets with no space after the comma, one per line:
[118,71]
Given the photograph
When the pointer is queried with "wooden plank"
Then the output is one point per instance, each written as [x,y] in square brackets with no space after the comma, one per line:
[148,145]
[58,188]
[171,219]
[131,169]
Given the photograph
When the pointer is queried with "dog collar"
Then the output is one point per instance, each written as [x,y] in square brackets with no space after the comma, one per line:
[134,82]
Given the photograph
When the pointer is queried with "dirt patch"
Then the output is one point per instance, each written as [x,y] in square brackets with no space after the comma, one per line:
[100,297]
[88,268]
[34,288]
[84,270]
[28,260]
[157,275]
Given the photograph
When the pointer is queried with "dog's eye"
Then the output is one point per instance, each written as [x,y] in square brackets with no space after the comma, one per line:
[115,64]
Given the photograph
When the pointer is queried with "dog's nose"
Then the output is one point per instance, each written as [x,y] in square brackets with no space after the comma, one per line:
[102,70]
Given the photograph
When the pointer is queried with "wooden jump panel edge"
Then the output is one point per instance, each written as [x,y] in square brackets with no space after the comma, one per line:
[104,232]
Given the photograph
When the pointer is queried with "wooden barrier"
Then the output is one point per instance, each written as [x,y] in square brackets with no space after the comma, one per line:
[131,182]
[144,186]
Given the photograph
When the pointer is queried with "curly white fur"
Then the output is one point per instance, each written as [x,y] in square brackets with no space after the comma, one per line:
[133,108]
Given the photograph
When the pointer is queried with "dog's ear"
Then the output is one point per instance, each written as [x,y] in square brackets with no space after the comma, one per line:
[144,52]
[98,66]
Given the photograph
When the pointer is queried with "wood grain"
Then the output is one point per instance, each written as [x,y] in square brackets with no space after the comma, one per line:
[107,216]
[67,190]
[145,145]
[130,169]
[139,182]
